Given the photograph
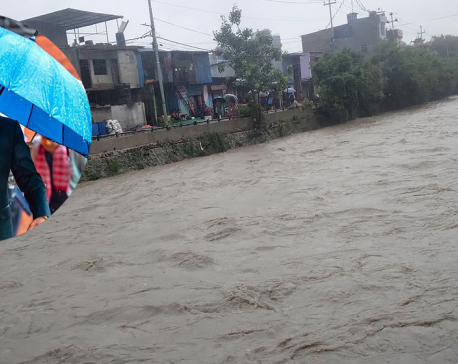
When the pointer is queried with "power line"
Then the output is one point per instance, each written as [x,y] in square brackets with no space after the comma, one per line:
[183,45]
[295,2]
[332,25]
[340,7]
[220,14]
[423,21]
[172,41]
[360,4]
[179,26]
[350,8]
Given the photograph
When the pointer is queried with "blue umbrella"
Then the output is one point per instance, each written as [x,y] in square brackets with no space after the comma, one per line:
[41,94]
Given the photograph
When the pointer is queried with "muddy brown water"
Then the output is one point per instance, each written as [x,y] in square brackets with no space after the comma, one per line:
[334,246]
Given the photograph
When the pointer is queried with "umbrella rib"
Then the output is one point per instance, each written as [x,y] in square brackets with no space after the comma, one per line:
[1,90]
[30,115]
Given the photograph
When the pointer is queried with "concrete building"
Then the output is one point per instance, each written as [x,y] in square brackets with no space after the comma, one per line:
[112,74]
[57,26]
[215,61]
[276,41]
[301,76]
[222,82]
[395,36]
[187,82]
[362,35]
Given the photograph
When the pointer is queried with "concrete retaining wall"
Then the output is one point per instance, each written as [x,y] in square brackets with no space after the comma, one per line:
[163,136]
[213,138]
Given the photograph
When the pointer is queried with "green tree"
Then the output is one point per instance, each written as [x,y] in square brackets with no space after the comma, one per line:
[446,46]
[250,55]
[391,79]
[412,77]
[347,85]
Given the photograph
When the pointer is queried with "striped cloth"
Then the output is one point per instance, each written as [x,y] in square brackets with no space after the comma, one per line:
[60,170]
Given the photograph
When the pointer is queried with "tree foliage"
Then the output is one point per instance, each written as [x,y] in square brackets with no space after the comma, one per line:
[391,79]
[348,85]
[413,77]
[250,55]
[446,46]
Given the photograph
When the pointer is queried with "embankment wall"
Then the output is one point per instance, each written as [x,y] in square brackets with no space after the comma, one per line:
[120,155]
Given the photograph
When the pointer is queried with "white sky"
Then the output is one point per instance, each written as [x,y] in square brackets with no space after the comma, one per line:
[289,18]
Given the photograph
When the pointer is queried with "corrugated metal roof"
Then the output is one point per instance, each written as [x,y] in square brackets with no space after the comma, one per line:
[72,18]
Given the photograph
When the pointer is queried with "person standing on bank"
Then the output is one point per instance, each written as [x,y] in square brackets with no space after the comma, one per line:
[15,156]
[52,161]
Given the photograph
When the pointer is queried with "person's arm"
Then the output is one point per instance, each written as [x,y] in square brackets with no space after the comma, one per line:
[28,179]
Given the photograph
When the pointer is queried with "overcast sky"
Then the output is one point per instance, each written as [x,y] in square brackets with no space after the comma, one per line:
[289,18]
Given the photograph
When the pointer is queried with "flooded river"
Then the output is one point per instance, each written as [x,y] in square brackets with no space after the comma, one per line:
[334,246]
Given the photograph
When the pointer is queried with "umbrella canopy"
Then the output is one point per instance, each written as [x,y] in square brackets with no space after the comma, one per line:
[289,90]
[50,48]
[219,99]
[41,94]
[230,97]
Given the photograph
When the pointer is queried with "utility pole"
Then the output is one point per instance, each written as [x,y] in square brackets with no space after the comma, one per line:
[392,21]
[421,35]
[392,26]
[158,63]
[329,3]
[421,32]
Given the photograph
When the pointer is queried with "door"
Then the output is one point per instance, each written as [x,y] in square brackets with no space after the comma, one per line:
[115,71]
[85,73]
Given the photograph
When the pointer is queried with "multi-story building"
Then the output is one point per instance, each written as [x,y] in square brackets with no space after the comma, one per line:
[111,72]
[395,36]
[301,76]
[187,81]
[276,41]
[362,35]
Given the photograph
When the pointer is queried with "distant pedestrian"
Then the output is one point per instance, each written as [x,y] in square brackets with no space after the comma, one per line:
[53,163]
[270,102]
[232,109]
[291,99]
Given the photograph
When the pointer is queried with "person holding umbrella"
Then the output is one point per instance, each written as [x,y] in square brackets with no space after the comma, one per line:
[231,100]
[290,94]
[15,156]
[218,104]
[37,91]
[42,95]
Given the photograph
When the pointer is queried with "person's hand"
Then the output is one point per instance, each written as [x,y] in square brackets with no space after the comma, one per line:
[36,222]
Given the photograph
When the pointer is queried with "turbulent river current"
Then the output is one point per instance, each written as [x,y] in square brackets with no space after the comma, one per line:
[334,246]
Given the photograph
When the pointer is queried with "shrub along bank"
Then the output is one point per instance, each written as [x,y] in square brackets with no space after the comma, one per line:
[393,78]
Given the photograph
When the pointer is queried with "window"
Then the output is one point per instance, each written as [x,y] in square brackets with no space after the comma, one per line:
[100,66]
[364,48]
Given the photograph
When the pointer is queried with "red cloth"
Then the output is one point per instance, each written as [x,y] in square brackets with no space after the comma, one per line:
[60,170]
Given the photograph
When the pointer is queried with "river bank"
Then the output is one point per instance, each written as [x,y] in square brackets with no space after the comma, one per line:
[116,156]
